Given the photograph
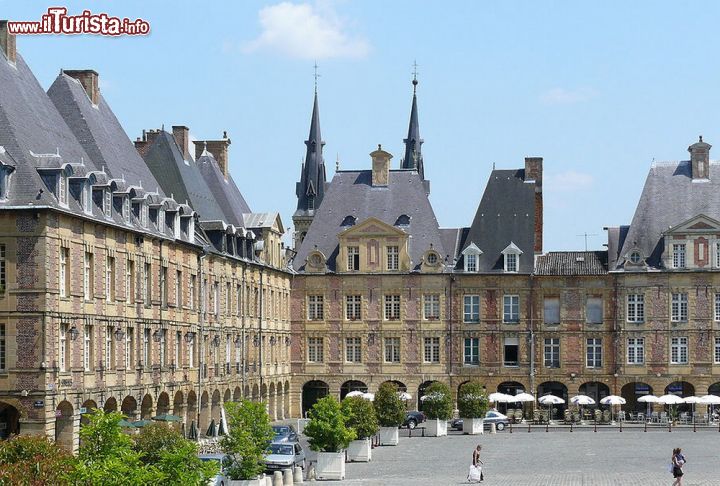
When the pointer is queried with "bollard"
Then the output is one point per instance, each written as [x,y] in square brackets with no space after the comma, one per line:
[547,426]
[493,428]
[669,425]
[277,479]
[621,425]
[528,427]
[287,477]
[646,426]
[423,431]
[694,428]
[571,424]
[298,475]
[595,425]
[511,427]
[311,472]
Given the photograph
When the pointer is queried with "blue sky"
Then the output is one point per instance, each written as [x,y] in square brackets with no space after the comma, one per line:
[598,89]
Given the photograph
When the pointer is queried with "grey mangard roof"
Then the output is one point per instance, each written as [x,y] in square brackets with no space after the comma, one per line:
[451,238]
[413,143]
[506,214]
[572,263]
[99,132]
[259,220]
[670,197]
[350,193]
[181,178]
[226,193]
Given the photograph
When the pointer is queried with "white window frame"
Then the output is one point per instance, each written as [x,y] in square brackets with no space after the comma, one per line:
[511,308]
[178,287]
[679,352]
[353,307]
[147,347]
[593,353]
[635,308]
[62,348]
[717,307]
[473,345]
[635,350]
[471,308]
[129,340]
[679,307]
[392,349]
[191,292]
[511,262]
[393,258]
[147,284]
[316,307]
[177,355]
[679,259]
[511,341]
[316,350]
[431,351]
[551,353]
[392,307]
[471,258]
[191,351]
[353,350]
[717,351]
[88,276]
[87,345]
[64,280]
[352,253]
[431,307]
[163,348]
[109,278]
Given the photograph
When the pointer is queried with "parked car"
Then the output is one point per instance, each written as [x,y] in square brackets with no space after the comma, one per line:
[284,433]
[412,419]
[491,417]
[224,461]
[284,455]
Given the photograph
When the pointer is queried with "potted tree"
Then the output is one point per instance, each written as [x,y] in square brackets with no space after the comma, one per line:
[438,408]
[360,416]
[328,435]
[390,412]
[247,441]
[472,404]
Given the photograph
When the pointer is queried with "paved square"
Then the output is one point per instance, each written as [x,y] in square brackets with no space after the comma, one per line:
[554,458]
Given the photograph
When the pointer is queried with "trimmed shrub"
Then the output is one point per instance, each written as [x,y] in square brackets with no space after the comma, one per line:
[326,429]
[247,439]
[360,416]
[389,408]
[472,401]
[438,402]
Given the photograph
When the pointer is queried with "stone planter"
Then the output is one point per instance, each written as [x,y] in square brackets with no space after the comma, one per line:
[389,436]
[260,481]
[435,427]
[359,451]
[330,465]
[473,426]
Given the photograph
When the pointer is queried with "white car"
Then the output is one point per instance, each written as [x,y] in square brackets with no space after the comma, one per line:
[223,460]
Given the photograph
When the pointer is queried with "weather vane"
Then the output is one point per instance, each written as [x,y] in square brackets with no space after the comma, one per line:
[415,73]
[316,75]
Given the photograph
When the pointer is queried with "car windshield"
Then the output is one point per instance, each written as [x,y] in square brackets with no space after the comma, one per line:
[282,449]
[281,430]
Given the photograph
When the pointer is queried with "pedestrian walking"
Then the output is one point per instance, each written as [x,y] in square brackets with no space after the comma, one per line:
[677,463]
[475,475]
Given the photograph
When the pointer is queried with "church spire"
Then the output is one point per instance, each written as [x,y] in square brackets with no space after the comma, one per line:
[413,143]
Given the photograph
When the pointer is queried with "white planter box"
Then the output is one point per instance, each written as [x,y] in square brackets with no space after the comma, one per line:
[389,436]
[359,451]
[473,426]
[330,465]
[260,481]
[435,428]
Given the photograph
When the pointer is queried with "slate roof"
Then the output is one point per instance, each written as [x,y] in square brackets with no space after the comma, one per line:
[350,193]
[506,214]
[572,263]
[225,191]
[260,220]
[670,197]
[413,143]
[312,175]
[451,238]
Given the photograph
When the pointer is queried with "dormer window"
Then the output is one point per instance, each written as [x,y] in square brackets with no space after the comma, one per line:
[176,225]
[311,203]
[678,255]
[353,258]
[432,258]
[512,258]
[62,189]
[635,258]
[471,256]
[349,221]
[161,220]
[87,197]
[153,214]
[471,263]
[5,172]
[126,209]
[717,254]
[403,220]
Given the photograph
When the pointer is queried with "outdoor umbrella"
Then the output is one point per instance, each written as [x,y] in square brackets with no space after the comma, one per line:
[648,399]
[212,429]
[500,398]
[550,400]
[369,396]
[166,417]
[670,400]
[710,400]
[692,400]
[221,428]
[183,430]
[126,424]
[612,400]
[141,423]
[223,421]
[523,398]
[581,400]
[404,396]
[355,393]
[193,432]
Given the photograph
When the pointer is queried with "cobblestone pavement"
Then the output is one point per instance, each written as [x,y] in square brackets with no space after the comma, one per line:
[555,458]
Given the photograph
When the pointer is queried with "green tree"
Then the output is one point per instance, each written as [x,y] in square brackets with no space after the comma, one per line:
[326,429]
[27,460]
[438,401]
[247,439]
[389,408]
[360,416]
[472,401]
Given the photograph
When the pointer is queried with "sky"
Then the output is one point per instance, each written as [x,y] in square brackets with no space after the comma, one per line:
[598,89]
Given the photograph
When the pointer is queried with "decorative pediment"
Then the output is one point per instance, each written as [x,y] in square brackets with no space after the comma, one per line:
[696,224]
[472,249]
[372,227]
[512,248]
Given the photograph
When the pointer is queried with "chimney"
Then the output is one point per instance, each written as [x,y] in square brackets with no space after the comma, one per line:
[700,159]
[142,145]
[7,42]
[380,167]
[218,149]
[533,173]
[182,139]
[89,80]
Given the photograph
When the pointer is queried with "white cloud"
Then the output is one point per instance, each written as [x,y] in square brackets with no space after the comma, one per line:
[563,96]
[303,31]
[568,181]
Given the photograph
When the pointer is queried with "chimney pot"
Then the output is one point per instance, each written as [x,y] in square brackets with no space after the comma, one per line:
[182,138]
[533,172]
[700,159]
[380,167]
[218,149]
[89,79]
[7,42]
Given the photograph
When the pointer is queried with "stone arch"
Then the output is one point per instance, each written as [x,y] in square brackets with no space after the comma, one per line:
[255,393]
[215,407]
[312,391]
[352,385]
[110,405]
[146,407]
[90,406]
[714,389]
[65,425]
[399,384]
[596,390]
[631,392]
[681,389]
[191,408]
[129,407]
[204,420]
[179,406]
[237,394]
[421,392]
[287,399]
[554,388]
[511,387]
[271,403]
[163,404]
[9,419]
[246,394]
[227,396]
[460,386]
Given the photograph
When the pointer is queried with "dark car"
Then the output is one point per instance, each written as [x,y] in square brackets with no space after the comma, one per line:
[492,417]
[412,419]
[284,433]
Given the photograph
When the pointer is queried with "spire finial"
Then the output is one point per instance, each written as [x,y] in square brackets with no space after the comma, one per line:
[415,73]
[337,162]
[701,138]
[316,75]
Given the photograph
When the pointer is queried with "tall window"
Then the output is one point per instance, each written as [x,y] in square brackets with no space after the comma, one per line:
[238,299]
[62,190]
[511,260]
[717,254]
[178,288]
[191,350]
[191,292]
[636,308]
[392,307]
[511,308]
[471,262]
[353,258]
[110,278]
[88,276]
[177,359]
[316,310]
[511,352]
[130,281]
[64,272]
[594,310]
[109,350]
[471,308]
[717,351]
[392,349]
[163,286]
[146,346]
[228,299]
[163,347]
[352,307]
[636,350]
[551,310]
[62,352]
[431,307]
[216,298]
[432,350]
[129,347]
[594,353]
[228,352]
[147,285]
[717,307]
[679,307]
[3,280]
[679,350]
[552,353]
[678,255]
[472,351]
[87,347]
[393,257]
[315,350]
[3,348]
[353,350]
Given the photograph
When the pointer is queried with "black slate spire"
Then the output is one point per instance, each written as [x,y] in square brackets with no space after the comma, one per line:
[413,143]
[311,188]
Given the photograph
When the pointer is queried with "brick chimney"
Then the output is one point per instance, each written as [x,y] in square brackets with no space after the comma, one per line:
[142,145]
[218,149]
[7,42]
[380,167]
[182,139]
[89,80]
[700,159]
[533,173]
